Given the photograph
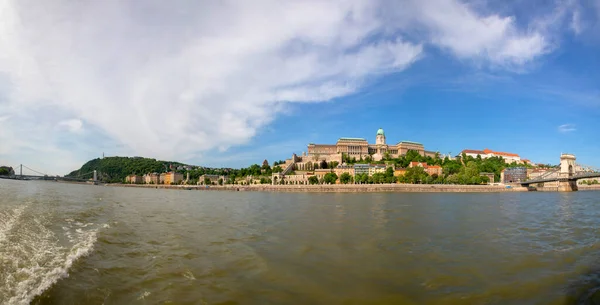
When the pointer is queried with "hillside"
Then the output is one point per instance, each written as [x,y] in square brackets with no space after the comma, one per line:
[115,169]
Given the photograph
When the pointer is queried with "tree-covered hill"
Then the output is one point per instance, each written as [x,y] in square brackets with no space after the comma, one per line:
[115,169]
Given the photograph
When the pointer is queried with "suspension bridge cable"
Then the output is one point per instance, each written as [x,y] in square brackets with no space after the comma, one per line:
[35,171]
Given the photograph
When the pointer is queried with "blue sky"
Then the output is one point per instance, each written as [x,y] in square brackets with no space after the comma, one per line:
[174,81]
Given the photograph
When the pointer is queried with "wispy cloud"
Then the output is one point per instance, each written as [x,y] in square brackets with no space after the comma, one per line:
[566,128]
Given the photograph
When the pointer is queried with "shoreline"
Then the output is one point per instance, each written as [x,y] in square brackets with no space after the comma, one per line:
[345,188]
[339,188]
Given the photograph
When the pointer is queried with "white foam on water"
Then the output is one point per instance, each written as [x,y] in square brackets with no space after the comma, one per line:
[37,260]
[8,221]
[144,295]
[189,275]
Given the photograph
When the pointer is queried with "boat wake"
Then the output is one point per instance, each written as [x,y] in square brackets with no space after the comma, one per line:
[33,257]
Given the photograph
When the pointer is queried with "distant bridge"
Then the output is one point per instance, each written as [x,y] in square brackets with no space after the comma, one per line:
[567,175]
[36,175]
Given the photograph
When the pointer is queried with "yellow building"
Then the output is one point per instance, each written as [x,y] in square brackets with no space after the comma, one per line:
[377,168]
[173,178]
[399,172]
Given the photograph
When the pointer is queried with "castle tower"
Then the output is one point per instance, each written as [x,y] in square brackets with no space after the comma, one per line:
[380,139]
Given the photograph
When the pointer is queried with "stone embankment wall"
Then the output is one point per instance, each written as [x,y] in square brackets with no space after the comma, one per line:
[337,188]
[595,187]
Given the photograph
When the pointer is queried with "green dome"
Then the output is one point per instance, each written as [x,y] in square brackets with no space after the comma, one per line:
[380,132]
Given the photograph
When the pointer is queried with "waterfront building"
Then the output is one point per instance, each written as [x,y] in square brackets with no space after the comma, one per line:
[399,171]
[320,173]
[429,169]
[377,168]
[513,175]
[152,178]
[161,178]
[344,168]
[214,179]
[173,178]
[360,169]
[487,153]
[297,179]
[134,179]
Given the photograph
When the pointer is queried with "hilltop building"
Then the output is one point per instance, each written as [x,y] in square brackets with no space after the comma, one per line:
[360,148]
[487,153]
[325,158]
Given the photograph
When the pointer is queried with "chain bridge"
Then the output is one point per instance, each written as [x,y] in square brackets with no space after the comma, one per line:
[567,174]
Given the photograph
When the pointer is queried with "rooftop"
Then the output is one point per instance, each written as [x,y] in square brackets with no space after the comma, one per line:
[351,139]
[410,142]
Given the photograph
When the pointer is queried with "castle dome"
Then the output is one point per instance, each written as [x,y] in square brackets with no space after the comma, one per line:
[380,132]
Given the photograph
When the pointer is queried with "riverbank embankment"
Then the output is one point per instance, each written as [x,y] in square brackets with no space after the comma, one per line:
[340,188]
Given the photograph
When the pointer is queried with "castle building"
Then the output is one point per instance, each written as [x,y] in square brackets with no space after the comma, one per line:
[324,158]
[360,148]
[487,153]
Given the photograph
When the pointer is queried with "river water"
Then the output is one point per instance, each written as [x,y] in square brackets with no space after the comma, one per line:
[80,244]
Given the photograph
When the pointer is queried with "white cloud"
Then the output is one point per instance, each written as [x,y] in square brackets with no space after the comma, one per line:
[175,79]
[455,26]
[565,128]
[72,125]
[576,25]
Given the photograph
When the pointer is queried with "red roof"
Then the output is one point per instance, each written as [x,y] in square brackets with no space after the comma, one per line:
[488,151]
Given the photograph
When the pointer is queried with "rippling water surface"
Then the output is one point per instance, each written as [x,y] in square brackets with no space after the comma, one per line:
[79,244]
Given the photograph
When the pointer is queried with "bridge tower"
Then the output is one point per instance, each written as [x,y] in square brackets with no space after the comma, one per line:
[567,170]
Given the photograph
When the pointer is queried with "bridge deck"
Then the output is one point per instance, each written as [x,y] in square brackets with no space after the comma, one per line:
[574,177]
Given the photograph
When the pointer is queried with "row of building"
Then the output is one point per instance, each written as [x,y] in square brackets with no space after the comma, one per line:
[302,177]
[174,178]
[156,178]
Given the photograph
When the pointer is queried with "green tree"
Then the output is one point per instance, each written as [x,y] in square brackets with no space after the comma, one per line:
[345,178]
[4,172]
[277,169]
[220,181]
[207,181]
[313,180]
[389,172]
[415,174]
[330,178]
